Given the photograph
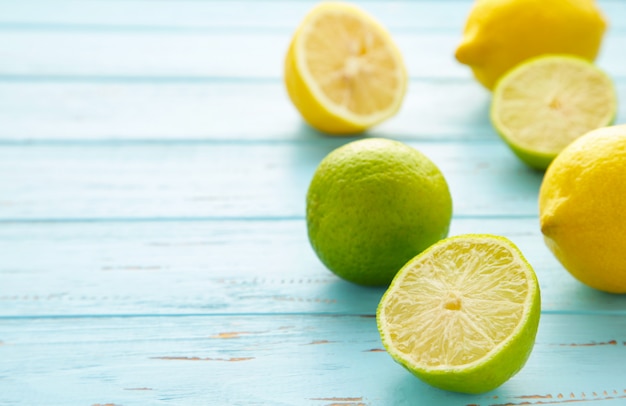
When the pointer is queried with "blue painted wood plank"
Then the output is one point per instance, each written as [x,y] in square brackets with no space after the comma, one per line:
[199,110]
[222,267]
[152,241]
[224,15]
[123,54]
[246,15]
[411,15]
[221,110]
[35,49]
[63,54]
[280,360]
[214,180]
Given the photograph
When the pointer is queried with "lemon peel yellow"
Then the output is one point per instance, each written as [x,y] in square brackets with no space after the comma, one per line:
[343,71]
[373,204]
[582,210]
[500,34]
[462,315]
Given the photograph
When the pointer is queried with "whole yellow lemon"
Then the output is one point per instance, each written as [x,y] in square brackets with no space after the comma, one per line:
[582,208]
[499,34]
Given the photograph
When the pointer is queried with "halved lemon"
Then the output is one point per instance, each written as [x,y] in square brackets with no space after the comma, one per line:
[343,71]
[545,103]
[463,315]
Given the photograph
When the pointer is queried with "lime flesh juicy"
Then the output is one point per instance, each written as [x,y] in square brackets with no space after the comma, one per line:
[463,315]
[544,104]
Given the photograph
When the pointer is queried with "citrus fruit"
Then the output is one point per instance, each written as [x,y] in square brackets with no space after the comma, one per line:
[581,208]
[343,71]
[463,315]
[543,104]
[500,34]
[373,204]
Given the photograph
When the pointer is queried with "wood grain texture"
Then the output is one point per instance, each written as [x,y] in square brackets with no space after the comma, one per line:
[153,246]
[95,55]
[197,109]
[200,110]
[279,360]
[221,267]
[237,15]
[226,180]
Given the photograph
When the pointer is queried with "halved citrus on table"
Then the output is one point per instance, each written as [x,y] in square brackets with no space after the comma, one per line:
[545,103]
[462,315]
[343,71]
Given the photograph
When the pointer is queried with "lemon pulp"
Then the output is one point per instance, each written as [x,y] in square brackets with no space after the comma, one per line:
[343,71]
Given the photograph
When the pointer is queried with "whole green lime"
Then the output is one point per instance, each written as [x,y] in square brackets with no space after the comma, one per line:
[374,204]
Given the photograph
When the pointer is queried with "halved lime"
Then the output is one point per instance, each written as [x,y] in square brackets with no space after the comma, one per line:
[462,315]
[543,104]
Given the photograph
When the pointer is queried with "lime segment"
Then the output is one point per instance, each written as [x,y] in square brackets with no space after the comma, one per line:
[544,104]
[462,315]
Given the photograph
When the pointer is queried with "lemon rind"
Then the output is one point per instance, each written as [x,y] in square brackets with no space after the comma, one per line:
[339,112]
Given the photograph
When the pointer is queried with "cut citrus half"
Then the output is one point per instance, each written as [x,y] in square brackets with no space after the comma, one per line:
[462,315]
[343,71]
[545,103]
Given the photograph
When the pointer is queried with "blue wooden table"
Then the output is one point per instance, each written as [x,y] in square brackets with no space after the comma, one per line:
[153,246]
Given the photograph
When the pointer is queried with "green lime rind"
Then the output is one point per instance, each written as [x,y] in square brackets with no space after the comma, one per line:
[504,361]
[534,159]
[590,94]
[372,205]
